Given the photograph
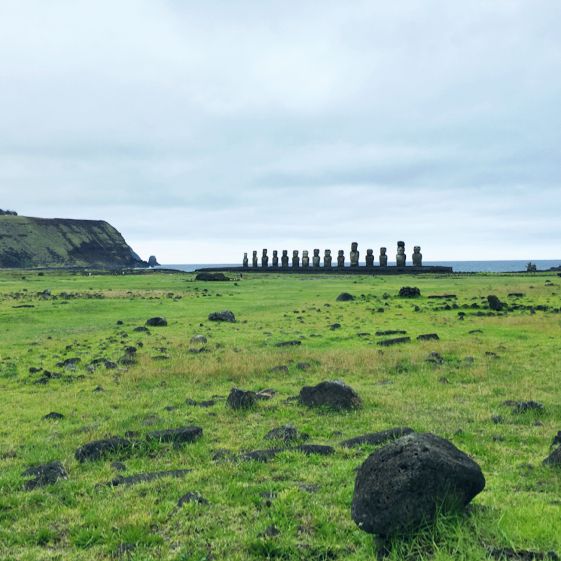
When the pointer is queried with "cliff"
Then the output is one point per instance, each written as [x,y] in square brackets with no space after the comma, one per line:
[56,242]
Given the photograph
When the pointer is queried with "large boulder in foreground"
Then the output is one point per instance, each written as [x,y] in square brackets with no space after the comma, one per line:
[332,394]
[403,485]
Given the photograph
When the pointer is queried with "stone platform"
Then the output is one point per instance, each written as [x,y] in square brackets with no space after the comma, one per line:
[361,270]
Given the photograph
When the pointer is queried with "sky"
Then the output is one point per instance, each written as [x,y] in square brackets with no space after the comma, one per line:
[202,130]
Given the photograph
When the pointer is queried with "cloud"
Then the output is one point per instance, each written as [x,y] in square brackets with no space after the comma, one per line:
[205,130]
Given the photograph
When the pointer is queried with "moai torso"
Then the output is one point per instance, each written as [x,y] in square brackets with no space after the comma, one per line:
[295,259]
[341,259]
[254,259]
[316,259]
[264,259]
[245,261]
[327,259]
[305,259]
[284,259]
[383,257]
[370,258]
[417,257]
[400,258]
[275,258]
[354,255]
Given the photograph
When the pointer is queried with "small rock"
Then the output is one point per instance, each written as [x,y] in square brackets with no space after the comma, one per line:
[225,315]
[409,292]
[54,416]
[395,341]
[494,303]
[345,297]
[554,459]
[241,399]
[428,337]
[293,343]
[44,474]
[157,322]
[198,340]
[99,449]
[286,433]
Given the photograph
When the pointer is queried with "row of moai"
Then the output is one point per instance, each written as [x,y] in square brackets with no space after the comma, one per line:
[401,258]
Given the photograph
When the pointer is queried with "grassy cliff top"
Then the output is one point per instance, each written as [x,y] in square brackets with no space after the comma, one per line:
[61,242]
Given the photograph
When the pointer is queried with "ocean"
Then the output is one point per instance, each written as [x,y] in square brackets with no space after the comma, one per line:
[458,266]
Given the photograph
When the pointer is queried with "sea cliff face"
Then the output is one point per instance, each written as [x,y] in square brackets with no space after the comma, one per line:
[27,242]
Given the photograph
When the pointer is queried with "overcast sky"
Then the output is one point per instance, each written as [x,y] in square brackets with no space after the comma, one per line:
[201,130]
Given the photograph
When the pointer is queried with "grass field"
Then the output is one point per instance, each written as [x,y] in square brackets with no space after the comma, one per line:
[295,506]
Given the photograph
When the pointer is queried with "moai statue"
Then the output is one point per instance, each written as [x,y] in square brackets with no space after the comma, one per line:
[370,258]
[275,258]
[341,259]
[417,256]
[295,259]
[400,258]
[383,257]
[354,255]
[284,259]
[305,259]
[245,261]
[327,259]
[316,259]
[264,259]
[254,260]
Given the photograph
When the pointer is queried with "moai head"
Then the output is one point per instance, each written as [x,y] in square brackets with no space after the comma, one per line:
[316,252]
[245,260]
[255,254]
[295,253]
[370,252]
[354,246]
[305,253]
[383,250]
[400,248]
[264,253]
[284,253]
[275,253]
[245,256]
[327,253]
[417,249]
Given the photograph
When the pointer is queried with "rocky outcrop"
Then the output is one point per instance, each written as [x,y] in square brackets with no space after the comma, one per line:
[63,243]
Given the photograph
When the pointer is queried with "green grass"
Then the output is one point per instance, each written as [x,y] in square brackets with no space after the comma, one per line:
[78,519]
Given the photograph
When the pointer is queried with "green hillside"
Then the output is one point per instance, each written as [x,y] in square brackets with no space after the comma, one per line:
[57,242]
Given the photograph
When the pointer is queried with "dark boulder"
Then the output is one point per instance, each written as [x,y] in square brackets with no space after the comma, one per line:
[54,416]
[241,399]
[177,436]
[428,337]
[494,303]
[403,485]
[345,297]
[44,474]
[319,449]
[211,277]
[98,449]
[377,438]
[332,394]
[409,292]
[391,332]
[395,341]
[557,439]
[198,340]
[157,322]
[225,315]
